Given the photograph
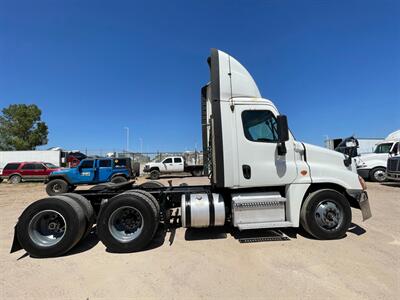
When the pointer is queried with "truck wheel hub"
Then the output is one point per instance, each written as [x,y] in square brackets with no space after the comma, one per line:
[47,228]
[328,215]
[125,224]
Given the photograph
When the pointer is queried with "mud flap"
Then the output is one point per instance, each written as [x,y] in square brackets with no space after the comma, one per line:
[15,245]
[364,206]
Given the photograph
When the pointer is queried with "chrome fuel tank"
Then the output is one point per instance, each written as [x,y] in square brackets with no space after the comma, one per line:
[202,210]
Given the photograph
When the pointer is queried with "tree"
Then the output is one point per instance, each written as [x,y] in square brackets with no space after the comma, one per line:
[21,128]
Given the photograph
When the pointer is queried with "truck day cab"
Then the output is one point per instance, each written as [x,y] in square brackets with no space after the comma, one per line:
[171,165]
[261,177]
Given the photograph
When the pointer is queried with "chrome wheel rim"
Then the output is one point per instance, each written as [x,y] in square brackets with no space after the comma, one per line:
[47,228]
[380,175]
[126,224]
[328,215]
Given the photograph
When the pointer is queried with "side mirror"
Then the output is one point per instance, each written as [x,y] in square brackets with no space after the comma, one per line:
[283,129]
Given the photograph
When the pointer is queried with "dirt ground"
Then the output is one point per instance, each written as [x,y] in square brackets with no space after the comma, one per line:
[195,264]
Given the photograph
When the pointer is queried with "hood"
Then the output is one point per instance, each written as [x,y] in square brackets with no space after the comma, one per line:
[329,166]
[327,156]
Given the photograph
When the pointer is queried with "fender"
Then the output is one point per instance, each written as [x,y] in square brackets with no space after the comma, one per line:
[58,176]
[119,174]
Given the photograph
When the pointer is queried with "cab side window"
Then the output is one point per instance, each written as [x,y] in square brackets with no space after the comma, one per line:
[86,164]
[177,160]
[28,167]
[105,163]
[168,161]
[260,126]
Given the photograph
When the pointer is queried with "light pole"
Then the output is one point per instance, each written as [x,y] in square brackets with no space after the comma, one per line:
[127,138]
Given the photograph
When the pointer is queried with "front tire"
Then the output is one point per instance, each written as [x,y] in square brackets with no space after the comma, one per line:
[326,215]
[127,223]
[154,175]
[378,174]
[56,187]
[14,179]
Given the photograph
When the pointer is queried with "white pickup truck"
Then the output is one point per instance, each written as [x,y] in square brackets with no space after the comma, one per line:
[172,164]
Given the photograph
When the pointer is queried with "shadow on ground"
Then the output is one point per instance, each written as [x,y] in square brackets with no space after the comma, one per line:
[214,233]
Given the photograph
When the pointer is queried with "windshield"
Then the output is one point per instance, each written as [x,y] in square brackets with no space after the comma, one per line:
[50,166]
[383,148]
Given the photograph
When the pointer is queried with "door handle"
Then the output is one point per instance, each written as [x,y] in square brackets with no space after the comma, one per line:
[246,171]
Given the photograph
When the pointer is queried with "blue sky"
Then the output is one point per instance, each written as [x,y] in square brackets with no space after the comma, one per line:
[94,67]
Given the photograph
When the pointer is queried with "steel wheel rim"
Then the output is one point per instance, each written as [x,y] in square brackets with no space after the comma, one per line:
[47,228]
[56,188]
[380,175]
[328,215]
[126,224]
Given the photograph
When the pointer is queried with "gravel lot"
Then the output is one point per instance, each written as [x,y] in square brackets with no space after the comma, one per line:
[212,263]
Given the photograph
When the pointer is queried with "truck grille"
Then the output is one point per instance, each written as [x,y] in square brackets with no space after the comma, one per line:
[393,164]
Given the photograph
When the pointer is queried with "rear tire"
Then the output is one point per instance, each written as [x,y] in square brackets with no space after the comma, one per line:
[153,200]
[126,223]
[14,179]
[154,175]
[151,184]
[50,226]
[197,173]
[326,214]
[378,174]
[87,210]
[119,179]
[56,187]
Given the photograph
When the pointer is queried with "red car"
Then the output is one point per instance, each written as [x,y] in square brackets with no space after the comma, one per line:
[15,172]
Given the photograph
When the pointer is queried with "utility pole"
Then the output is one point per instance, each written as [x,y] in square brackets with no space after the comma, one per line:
[141,145]
[127,138]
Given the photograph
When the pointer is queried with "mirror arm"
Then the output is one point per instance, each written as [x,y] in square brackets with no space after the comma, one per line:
[282,148]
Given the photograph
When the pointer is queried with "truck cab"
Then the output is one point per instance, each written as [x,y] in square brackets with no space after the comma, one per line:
[88,171]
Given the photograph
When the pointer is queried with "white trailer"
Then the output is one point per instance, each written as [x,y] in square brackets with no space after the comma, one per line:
[49,156]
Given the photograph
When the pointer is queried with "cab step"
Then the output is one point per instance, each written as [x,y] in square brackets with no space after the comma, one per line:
[270,236]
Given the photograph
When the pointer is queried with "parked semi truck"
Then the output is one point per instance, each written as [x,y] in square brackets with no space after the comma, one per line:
[393,168]
[260,177]
[172,165]
[372,166]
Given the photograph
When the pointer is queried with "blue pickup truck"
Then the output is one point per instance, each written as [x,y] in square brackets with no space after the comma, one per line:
[89,171]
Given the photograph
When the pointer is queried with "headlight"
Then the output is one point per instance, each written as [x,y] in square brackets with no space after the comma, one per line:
[362,182]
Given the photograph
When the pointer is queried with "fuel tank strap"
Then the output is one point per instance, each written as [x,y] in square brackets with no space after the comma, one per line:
[211,209]
[187,210]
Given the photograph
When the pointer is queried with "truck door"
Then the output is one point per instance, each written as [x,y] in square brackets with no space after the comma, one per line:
[86,171]
[178,164]
[104,170]
[257,142]
[168,165]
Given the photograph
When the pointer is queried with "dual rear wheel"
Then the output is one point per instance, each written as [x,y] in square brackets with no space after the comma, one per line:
[52,226]
[129,221]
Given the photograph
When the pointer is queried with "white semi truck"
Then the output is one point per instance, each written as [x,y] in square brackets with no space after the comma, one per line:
[372,166]
[260,177]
